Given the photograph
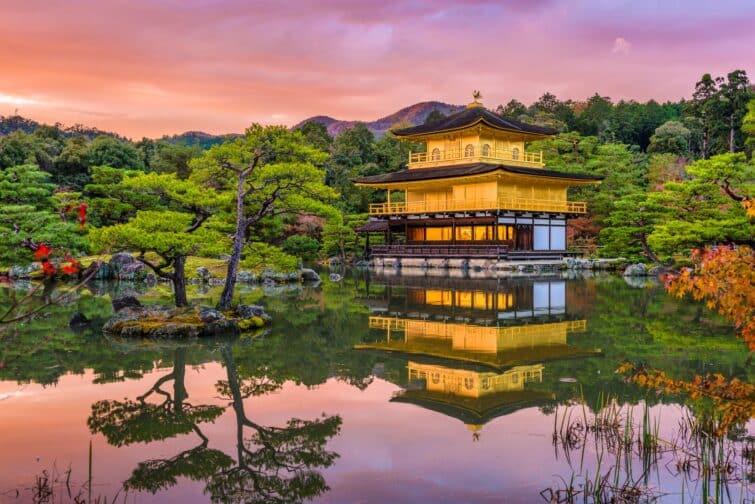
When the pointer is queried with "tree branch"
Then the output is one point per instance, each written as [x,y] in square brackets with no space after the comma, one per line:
[157,268]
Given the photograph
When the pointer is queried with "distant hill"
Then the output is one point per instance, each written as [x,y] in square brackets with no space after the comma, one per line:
[9,124]
[200,138]
[413,115]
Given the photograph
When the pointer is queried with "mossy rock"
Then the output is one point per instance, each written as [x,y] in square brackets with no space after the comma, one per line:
[251,323]
[176,323]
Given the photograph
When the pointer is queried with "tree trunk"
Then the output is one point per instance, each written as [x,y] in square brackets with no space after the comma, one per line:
[179,281]
[226,298]
[731,133]
[179,380]
[646,249]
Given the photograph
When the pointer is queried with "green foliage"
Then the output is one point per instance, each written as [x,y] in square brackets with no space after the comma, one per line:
[748,124]
[629,224]
[304,247]
[664,168]
[72,164]
[112,202]
[150,230]
[260,256]
[108,151]
[316,135]
[670,137]
[340,239]
[28,214]
[706,209]
[287,179]
[174,158]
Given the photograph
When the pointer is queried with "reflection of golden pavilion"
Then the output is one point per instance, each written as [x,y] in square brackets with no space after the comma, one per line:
[494,346]
[473,347]
[474,397]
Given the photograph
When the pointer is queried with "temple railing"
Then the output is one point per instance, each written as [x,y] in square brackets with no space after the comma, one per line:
[477,154]
[504,203]
[449,250]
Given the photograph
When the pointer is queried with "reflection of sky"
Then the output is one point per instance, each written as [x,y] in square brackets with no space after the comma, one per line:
[388,451]
[149,68]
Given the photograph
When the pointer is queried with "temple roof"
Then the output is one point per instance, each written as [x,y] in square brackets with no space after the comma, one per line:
[474,411]
[418,174]
[372,226]
[469,117]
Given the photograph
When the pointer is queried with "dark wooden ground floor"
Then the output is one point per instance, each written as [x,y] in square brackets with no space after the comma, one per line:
[507,237]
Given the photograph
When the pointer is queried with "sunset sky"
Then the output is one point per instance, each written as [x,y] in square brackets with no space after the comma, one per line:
[151,67]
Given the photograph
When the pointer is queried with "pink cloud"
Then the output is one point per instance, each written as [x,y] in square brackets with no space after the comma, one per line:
[149,68]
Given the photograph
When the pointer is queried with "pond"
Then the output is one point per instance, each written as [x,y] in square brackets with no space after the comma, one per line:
[377,388]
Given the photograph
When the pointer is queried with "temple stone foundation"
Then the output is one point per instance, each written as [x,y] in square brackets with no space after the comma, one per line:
[444,266]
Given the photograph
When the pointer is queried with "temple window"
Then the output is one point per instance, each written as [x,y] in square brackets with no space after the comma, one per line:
[515,153]
[436,378]
[416,234]
[438,234]
[468,383]
[435,156]
[486,150]
[505,232]
[481,233]
[485,383]
[469,150]
[464,233]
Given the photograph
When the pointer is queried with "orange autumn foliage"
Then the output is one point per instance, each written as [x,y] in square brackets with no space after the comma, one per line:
[734,399]
[725,279]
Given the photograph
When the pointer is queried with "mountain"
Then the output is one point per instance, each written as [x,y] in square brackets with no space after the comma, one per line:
[200,138]
[411,115]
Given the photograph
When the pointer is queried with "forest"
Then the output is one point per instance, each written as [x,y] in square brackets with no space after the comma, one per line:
[678,176]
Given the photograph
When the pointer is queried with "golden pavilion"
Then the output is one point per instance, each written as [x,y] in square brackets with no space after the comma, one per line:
[474,192]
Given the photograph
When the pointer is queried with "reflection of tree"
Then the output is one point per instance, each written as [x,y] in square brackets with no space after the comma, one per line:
[141,421]
[275,464]
[272,464]
[126,422]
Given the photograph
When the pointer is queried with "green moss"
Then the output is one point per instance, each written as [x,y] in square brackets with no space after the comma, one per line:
[251,323]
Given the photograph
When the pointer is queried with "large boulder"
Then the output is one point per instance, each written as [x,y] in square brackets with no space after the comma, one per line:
[246,277]
[79,321]
[203,273]
[309,275]
[120,259]
[249,311]
[23,271]
[278,277]
[132,272]
[125,302]
[98,270]
[655,270]
[635,270]
[208,315]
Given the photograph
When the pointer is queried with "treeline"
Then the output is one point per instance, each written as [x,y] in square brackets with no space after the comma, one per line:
[677,175]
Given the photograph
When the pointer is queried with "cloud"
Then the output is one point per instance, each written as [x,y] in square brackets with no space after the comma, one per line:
[621,45]
[17,100]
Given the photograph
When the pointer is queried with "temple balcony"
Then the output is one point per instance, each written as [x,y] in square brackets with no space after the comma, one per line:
[454,206]
[476,153]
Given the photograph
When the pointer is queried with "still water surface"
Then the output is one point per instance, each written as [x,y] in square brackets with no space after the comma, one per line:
[374,389]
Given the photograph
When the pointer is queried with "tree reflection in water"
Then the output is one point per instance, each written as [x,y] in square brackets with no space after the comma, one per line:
[273,464]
